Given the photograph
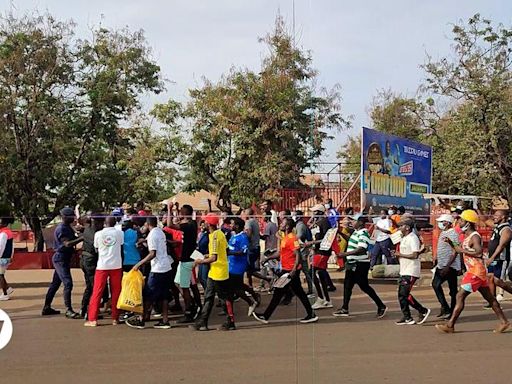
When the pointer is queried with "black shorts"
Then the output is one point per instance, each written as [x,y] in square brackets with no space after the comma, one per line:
[157,286]
[223,289]
[254,260]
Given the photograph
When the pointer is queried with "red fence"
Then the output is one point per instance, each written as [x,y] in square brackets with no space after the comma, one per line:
[306,198]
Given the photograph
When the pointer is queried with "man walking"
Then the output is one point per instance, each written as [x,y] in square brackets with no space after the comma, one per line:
[499,253]
[6,253]
[448,265]
[218,277]
[65,242]
[357,267]
[410,269]
[475,278]
[252,228]
[156,289]
[109,245]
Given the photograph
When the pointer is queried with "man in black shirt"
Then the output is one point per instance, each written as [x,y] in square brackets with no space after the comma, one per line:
[89,257]
[185,276]
[499,253]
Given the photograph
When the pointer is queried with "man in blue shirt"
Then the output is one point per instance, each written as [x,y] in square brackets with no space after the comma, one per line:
[238,247]
[65,241]
[131,254]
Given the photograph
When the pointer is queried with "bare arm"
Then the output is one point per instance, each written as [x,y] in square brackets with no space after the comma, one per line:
[504,240]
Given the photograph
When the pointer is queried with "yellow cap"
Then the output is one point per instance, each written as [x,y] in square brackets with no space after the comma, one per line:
[470,216]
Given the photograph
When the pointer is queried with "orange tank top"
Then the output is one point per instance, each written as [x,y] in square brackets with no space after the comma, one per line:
[475,266]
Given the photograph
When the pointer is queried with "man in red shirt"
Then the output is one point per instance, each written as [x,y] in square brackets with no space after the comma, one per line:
[290,262]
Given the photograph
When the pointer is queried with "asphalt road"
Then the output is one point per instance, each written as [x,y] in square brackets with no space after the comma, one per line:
[359,349]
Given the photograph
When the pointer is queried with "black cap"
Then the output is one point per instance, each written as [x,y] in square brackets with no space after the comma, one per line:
[67,211]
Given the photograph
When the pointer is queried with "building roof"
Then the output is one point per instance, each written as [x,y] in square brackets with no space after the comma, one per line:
[198,200]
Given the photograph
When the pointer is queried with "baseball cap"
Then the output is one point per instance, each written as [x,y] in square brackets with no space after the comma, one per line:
[318,208]
[67,211]
[445,217]
[117,212]
[211,219]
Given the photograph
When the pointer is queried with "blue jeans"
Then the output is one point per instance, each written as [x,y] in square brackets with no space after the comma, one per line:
[382,248]
[203,274]
[62,274]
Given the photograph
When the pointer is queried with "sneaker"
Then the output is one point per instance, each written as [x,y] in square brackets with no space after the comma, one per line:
[502,328]
[91,324]
[443,313]
[309,319]
[48,311]
[162,325]
[499,297]
[227,326]
[10,291]
[326,305]
[260,317]
[381,312]
[331,289]
[424,316]
[136,323]
[156,315]
[447,316]
[252,308]
[404,321]
[70,314]
[311,295]
[199,327]
[4,297]
[341,313]
[128,316]
[319,303]
[487,306]
[445,328]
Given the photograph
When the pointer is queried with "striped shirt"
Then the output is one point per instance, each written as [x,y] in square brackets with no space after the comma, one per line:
[358,239]
[445,252]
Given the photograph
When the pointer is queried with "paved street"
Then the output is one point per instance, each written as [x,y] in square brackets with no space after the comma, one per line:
[359,349]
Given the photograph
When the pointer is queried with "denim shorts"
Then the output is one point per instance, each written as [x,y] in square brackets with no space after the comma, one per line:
[158,286]
[4,262]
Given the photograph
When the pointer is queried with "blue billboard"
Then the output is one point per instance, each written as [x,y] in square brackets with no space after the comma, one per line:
[395,171]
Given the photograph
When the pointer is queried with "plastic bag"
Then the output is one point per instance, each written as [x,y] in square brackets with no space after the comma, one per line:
[130,298]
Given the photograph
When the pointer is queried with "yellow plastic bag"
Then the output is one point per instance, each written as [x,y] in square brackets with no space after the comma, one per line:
[130,298]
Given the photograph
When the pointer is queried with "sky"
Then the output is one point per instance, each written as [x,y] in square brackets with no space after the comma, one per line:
[364,46]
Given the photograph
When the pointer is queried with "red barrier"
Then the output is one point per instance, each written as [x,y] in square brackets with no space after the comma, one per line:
[38,260]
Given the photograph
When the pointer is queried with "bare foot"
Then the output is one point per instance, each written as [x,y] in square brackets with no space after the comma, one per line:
[445,328]
[502,328]
[91,324]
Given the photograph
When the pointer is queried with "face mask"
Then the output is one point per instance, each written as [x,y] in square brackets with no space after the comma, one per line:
[465,228]
[441,226]
[391,212]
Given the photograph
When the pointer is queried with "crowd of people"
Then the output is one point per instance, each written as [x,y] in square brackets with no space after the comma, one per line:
[222,255]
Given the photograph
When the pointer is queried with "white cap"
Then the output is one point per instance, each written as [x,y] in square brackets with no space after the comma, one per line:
[319,208]
[445,217]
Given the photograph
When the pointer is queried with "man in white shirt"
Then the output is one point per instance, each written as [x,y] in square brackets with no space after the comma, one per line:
[383,243]
[410,269]
[109,245]
[158,284]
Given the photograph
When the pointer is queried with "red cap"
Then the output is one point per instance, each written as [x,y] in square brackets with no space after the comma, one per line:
[211,219]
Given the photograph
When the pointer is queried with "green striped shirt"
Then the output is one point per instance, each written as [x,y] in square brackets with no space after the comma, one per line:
[358,239]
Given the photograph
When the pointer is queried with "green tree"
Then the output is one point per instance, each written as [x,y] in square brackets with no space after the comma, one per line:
[61,104]
[475,141]
[254,131]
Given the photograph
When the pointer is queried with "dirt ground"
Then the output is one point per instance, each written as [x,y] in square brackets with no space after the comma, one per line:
[359,349]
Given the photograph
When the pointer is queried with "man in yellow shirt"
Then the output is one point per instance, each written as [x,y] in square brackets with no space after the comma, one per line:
[218,276]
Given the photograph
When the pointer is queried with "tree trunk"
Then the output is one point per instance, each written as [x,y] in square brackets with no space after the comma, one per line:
[36,227]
